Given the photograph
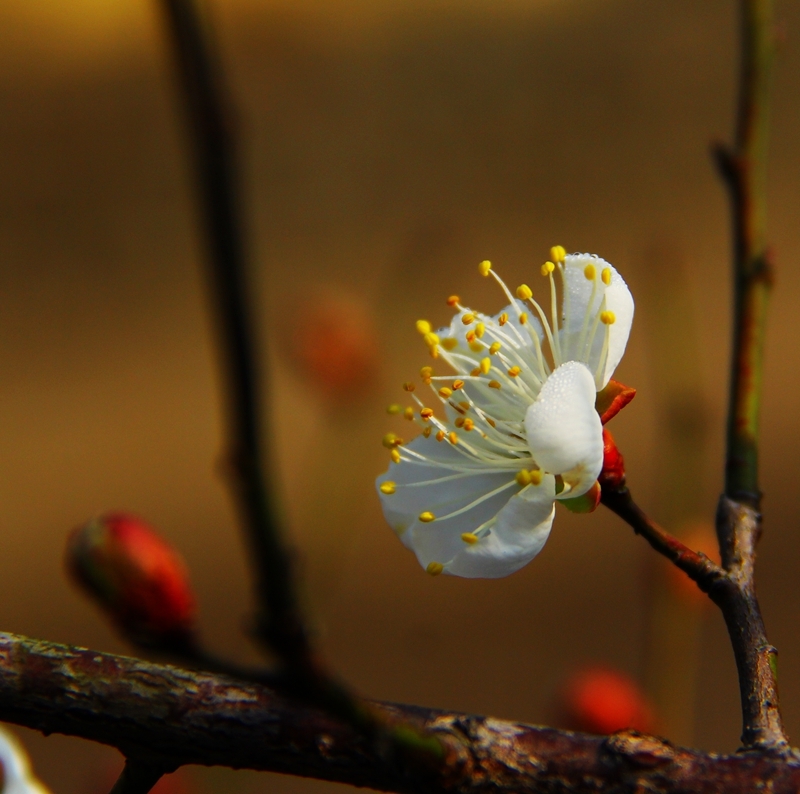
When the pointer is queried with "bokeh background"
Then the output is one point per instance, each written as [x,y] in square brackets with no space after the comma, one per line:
[388,147]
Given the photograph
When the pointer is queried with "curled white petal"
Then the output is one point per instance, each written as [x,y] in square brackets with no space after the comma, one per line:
[583,337]
[563,429]
[518,535]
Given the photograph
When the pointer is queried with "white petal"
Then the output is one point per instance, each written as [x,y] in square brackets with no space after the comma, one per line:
[585,297]
[420,488]
[564,432]
[522,528]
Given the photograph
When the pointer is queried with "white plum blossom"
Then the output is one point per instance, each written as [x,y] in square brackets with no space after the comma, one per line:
[474,495]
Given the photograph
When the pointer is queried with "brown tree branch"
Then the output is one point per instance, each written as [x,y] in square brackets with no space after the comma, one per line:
[162,715]
[137,777]
[279,622]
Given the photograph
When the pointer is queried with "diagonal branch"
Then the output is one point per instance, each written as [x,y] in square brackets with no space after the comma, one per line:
[137,777]
[163,715]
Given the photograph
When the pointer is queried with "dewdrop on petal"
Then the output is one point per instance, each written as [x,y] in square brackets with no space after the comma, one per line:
[137,578]
[525,390]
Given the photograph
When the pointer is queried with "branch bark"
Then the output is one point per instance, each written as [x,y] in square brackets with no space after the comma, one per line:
[166,717]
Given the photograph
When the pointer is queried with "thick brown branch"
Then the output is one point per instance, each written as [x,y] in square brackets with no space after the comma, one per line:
[165,715]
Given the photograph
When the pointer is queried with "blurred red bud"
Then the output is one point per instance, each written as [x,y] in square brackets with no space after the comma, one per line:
[600,700]
[612,477]
[136,577]
[698,536]
[334,343]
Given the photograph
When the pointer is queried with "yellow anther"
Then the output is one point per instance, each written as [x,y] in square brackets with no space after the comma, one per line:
[409,386]
[424,327]
[434,351]
[459,421]
[494,348]
[427,517]
[468,425]
[464,406]
[392,440]
[395,455]
[475,372]
[484,267]
[514,371]
[486,365]
[557,253]
[427,432]
[524,292]
[523,478]
[606,275]
[449,343]
[434,568]
[467,318]
[394,409]
[480,330]
[491,421]
[590,272]
[523,318]
[470,537]
[477,347]
[536,476]
[470,335]
[426,413]
[388,487]
[453,300]
[458,384]
[548,268]
[444,392]
[503,318]
[440,435]
[608,318]
[453,437]
[431,339]
[426,372]
[493,384]
[409,413]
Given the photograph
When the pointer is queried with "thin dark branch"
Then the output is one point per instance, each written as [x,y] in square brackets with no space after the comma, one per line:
[137,777]
[744,171]
[694,564]
[210,123]
[161,714]
[280,622]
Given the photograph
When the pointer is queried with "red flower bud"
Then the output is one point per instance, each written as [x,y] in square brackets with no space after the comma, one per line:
[612,477]
[136,577]
[600,700]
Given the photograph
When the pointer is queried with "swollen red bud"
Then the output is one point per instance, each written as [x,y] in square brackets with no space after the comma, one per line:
[136,577]
[612,477]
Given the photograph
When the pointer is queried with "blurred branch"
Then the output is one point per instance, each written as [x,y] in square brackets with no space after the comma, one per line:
[280,623]
[744,171]
[159,714]
[137,778]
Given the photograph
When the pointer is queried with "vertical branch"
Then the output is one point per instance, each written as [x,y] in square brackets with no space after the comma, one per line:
[279,621]
[744,171]
[137,778]
[280,624]
[738,519]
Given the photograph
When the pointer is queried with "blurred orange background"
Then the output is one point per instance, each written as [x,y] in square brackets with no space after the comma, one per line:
[387,148]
